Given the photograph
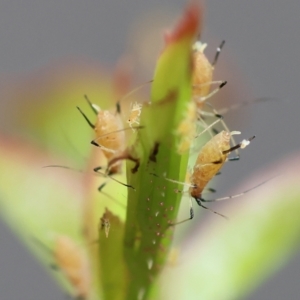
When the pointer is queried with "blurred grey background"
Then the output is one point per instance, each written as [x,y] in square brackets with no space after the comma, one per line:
[262,48]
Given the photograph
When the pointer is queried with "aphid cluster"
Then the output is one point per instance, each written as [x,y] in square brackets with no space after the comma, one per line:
[178,116]
[111,139]
[213,155]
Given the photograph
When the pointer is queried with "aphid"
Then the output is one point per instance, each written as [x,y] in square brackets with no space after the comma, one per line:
[202,82]
[110,136]
[105,223]
[203,74]
[72,261]
[110,132]
[210,160]
[135,112]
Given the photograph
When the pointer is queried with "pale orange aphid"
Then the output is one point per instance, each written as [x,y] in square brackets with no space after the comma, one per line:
[210,160]
[202,82]
[203,74]
[73,263]
[110,136]
[110,132]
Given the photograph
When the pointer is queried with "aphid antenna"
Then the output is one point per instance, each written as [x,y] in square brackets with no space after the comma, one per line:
[240,194]
[118,104]
[235,106]
[219,49]
[200,200]
[94,173]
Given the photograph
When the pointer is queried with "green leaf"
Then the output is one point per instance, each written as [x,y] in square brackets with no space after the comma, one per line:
[38,203]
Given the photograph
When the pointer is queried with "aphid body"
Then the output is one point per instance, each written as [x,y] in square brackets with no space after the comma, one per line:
[110,137]
[210,160]
[135,112]
[202,74]
[74,264]
[109,134]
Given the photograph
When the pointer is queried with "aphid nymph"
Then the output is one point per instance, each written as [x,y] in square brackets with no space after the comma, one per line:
[210,160]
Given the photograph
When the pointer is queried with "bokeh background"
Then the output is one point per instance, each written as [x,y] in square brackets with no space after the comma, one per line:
[260,59]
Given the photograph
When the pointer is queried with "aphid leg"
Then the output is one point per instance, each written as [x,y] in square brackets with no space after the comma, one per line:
[174,181]
[208,127]
[154,152]
[192,214]
[218,115]
[213,92]
[199,202]
[97,170]
[217,54]
[102,186]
